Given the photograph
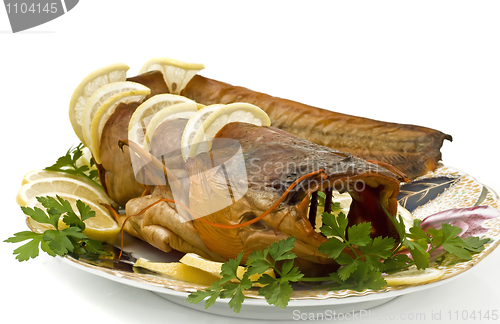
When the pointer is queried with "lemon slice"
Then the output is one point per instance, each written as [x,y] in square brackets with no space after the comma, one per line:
[42,174]
[413,276]
[105,111]
[92,82]
[235,112]
[83,160]
[99,98]
[406,216]
[62,185]
[101,227]
[144,113]
[193,125]
[177,74]
[178,111]
[178,270]
[214,268]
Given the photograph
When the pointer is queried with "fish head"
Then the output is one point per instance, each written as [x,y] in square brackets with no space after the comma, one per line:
[256,187]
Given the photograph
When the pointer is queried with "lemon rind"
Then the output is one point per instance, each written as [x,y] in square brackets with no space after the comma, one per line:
[105,111]
[77,94]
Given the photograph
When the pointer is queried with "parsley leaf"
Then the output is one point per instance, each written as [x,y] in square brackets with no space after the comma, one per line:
[29,250]
[332,247]
[55,241]
[68,164]
[334,226]
[359,234]
[281,250]
[454,244]
[229,269]
[277,292]
[379,246]
[475,244]
[418,251]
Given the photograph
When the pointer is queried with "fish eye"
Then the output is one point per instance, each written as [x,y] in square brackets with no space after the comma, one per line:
[248,216]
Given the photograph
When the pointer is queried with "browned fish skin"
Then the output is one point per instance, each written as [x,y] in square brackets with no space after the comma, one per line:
[412,149]
[153,80]
[115,171]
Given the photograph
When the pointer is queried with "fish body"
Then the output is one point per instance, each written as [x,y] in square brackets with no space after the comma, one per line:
[414,150]
[206,206]
[238,196]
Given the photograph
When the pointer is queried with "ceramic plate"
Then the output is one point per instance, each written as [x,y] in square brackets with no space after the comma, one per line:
[437,191]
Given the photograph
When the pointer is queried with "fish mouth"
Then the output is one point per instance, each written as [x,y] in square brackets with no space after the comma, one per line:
[373,199]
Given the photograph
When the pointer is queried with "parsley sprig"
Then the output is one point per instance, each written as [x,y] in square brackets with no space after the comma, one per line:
[361,257]
[362,260]
[68,164]
[422,243]
[223,288]
[57,241]
[277,291]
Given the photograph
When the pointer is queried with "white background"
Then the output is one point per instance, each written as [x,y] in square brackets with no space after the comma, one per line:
[431,63]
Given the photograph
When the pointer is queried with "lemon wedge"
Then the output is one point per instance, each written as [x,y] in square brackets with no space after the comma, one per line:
[193,126]
[144,113]
[178,270]
[235,112]
[177,74]
[101,227]
[105,111]
[413,276]
[60,186]
[214,268]
[92,82]
[99,98]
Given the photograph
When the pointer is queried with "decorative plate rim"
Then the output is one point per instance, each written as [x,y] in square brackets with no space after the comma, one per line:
[175,287]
